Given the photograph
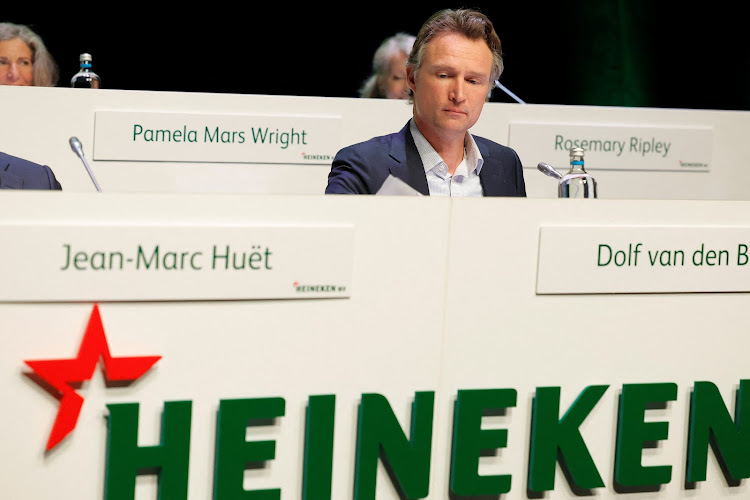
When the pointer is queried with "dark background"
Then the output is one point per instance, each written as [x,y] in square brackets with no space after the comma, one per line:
[578,52]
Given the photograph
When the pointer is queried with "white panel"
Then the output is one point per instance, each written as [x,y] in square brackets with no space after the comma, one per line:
[38,122]
[444,301]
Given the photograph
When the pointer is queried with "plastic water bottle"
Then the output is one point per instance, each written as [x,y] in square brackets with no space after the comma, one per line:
[577,183]
[85,78]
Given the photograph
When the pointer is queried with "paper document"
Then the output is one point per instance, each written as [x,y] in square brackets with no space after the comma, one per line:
[396,187]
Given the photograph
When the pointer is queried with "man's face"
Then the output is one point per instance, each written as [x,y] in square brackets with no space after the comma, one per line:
[451,86]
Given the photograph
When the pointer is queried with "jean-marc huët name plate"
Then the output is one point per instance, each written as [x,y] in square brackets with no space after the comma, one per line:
[151,262]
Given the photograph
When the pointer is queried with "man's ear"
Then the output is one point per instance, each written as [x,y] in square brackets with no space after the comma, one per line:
[411,75]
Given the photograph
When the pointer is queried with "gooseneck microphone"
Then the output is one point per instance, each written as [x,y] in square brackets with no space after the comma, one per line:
[505,89]
[77,148]
[548,169]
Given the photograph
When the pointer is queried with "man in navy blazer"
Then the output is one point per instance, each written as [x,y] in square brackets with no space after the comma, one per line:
[451,70]
[17,173]
[363,168]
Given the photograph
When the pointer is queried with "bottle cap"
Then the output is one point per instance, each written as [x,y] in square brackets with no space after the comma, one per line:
[85,57]
[576,152]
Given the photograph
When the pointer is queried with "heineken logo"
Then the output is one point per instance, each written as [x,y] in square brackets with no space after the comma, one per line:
[554,428]
[60,376]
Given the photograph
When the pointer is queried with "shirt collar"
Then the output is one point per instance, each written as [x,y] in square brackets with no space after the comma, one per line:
[431,158]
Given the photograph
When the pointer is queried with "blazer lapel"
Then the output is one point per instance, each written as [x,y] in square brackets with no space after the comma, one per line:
[408,164]
[488,175]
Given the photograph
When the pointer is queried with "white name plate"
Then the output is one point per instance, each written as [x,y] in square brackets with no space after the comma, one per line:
[210,138]
[614,146]
[189,262]
[643,259]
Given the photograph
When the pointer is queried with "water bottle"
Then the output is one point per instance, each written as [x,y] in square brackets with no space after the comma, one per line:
[576,183]
[85,78]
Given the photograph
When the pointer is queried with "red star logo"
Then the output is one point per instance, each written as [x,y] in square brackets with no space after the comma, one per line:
[60,375]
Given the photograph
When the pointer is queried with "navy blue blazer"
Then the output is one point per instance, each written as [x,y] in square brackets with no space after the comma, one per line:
[17,173]
[363,168]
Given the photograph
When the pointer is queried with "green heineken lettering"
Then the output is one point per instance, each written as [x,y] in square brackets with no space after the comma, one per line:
[633,433]
[169,459]
[550,437]
[710,421]
[554,440]
[234,454]
[318,465]
[469,439]
[408,459]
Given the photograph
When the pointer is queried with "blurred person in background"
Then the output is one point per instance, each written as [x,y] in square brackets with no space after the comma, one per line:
[388,78]
[24,60]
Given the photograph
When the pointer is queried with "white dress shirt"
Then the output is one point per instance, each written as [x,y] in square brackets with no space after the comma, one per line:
[464,181]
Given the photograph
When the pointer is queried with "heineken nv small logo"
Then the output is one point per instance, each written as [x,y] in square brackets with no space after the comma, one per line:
[693,164]
[318,288]
[60,376]
[306,156]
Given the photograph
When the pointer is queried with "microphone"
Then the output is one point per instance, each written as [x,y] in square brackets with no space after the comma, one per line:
[548,169]
[77,148]
[505,89]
